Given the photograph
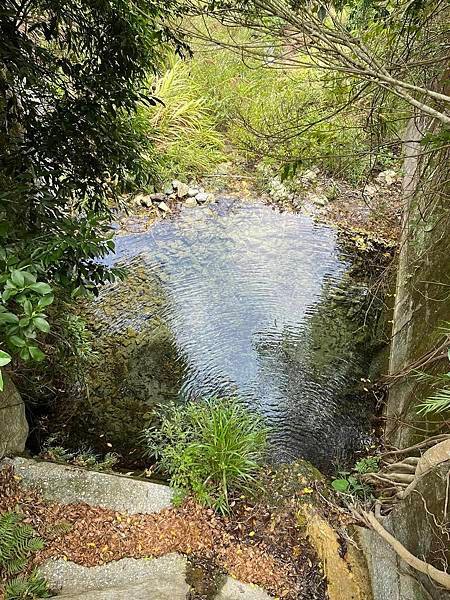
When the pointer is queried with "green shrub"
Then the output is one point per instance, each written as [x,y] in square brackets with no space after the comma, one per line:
[209,447]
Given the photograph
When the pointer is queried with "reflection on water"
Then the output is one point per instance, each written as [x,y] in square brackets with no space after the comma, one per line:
[260,304]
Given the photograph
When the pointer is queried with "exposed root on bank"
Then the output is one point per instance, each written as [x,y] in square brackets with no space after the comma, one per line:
[440,577]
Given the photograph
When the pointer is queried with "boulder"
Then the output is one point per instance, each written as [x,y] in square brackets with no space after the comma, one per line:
[235,590]
[192,192]
[13,423]
[163,206]
[190,202]
[201,197]
[68,485]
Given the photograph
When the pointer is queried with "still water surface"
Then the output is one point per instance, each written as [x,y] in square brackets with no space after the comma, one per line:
[261,304]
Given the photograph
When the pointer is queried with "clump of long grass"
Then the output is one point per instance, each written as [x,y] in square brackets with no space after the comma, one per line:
[213,448]
[181,126]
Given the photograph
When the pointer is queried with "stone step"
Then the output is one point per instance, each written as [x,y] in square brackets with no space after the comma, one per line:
[161,578]
[68,484]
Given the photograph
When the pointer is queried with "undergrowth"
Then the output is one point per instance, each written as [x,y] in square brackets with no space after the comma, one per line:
[18,541]
[220,107]
[213,448]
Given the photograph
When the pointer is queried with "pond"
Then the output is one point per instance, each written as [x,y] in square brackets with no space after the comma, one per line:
[262,305]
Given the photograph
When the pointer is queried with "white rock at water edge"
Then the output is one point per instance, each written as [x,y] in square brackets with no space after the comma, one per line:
[163,206]
[204,198]
[192,192]
[182,190]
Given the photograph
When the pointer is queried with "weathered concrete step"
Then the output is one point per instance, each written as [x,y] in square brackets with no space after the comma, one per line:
[161,578]
[68,484]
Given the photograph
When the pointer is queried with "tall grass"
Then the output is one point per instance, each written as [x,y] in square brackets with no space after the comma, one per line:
[220,106]
[267,113]
[182,126]
[210,447]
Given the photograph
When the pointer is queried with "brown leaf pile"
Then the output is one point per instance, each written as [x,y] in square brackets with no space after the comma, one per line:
[93,536]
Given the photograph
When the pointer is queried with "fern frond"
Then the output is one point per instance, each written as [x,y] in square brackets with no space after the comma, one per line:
[438,403]
[27,588]
[17,541]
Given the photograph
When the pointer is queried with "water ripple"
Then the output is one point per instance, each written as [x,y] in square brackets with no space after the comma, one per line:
[251,307]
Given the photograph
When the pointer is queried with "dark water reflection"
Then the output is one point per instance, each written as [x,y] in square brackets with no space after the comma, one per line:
[261,304]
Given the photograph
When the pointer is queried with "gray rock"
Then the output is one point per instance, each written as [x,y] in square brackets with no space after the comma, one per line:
[235,590]
[192,192]
[161,578]
[13,423]
[143,200]
[182,190]
[159,197]
[175,184]
[201,197]
[190,202]
[68,484]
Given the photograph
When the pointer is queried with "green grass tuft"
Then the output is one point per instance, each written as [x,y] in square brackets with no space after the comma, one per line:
[209,447]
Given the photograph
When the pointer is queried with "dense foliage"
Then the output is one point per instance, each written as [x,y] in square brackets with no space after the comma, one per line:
[211,447]
[70,78]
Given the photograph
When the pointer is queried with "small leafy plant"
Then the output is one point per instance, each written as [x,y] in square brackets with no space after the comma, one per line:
[369,464]
[349,482]
[209,447]
[26,587]
[350,485]
[18,541]
[22,302]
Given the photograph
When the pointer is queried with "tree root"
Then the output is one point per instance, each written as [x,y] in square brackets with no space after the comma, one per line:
[440,577]
[425,444]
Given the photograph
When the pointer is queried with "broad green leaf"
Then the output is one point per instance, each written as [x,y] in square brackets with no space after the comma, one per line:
[28,308]
[24,322]
[29,277]
[45,300]
[340,485]
[41,324]
[41,288]
[8,293]
[9,318]
[18,278]
[25,353]
[17,341]
[36,353]
[5,358]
